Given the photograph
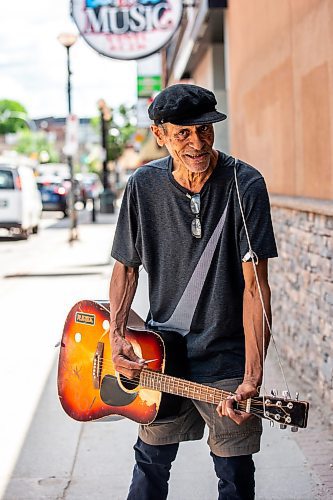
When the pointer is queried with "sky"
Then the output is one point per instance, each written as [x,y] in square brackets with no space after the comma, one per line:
[33,67]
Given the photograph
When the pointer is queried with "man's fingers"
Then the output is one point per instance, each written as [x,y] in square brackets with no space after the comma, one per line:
[239,416]
[129,353]
[123,362]
[226,409]
[224,406]
[130,369]
[219,409]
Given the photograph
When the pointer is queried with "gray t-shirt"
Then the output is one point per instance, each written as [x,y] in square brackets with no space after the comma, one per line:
[196,285]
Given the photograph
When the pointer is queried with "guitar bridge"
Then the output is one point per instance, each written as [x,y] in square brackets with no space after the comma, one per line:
[98,365]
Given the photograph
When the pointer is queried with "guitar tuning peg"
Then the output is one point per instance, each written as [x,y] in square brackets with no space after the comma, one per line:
[283,426]
[271,423]
[297,396]
[286,394]
[274,392]
[294,429]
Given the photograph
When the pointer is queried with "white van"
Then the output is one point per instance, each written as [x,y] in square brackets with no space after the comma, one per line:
[20,200]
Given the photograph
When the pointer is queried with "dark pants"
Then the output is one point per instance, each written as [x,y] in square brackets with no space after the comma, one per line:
[152,471]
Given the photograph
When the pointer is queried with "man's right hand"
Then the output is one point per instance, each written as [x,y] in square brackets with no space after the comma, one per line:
[124,358]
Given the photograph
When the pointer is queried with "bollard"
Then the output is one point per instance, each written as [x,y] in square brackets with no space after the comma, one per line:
[93,211]
[107,199]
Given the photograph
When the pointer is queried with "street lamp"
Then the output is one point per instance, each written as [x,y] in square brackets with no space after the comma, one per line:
[107,196]
[68,40]
[105,117]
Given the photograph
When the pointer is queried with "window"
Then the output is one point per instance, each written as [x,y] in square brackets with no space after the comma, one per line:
[6,179]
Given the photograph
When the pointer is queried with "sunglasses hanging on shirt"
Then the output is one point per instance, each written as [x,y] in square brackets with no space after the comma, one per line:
[195,209]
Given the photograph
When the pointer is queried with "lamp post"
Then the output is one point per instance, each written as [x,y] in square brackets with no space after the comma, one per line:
[107,197]
[105,116]
[68,40]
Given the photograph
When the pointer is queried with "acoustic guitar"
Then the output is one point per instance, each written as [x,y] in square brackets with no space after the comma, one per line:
[91,389]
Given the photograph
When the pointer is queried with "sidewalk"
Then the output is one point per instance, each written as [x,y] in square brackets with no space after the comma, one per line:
[64,459]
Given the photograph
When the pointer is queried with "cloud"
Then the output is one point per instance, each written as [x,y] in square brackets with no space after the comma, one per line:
[11,88]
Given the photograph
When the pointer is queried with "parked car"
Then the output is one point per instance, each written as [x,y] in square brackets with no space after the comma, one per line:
[20,200]
[55,193]
[60,170]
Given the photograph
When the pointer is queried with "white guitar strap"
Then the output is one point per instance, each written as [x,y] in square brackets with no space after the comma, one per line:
[252,256]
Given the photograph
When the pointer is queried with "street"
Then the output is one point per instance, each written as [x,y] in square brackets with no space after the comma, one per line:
[46,455]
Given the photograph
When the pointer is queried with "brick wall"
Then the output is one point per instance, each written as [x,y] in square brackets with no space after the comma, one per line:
[302,293]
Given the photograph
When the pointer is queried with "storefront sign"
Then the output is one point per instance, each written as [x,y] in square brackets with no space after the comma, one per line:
[127,29]
[149,85]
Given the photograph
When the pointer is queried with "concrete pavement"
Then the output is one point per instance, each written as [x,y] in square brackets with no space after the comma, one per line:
[62,459]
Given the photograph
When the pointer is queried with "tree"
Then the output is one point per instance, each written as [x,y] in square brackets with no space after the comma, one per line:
[119,129]
[13,116]
[36,144]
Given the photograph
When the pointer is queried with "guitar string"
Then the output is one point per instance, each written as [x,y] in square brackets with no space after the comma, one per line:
[108,363]
[169,378]
[161,379]
[256,406]
[209,389]
[181,384]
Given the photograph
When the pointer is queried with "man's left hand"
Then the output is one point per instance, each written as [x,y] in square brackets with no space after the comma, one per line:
[226,407]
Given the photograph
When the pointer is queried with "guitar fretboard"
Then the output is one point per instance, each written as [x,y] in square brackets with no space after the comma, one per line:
[179,387]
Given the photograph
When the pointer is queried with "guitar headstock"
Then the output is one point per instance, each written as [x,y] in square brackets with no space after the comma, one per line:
[281,410]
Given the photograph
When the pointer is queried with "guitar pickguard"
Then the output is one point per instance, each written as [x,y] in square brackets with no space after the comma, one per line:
[112,395]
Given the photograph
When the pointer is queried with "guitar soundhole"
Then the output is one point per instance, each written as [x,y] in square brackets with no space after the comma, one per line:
[129,384]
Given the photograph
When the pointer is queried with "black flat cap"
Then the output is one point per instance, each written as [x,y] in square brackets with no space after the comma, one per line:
[185,104]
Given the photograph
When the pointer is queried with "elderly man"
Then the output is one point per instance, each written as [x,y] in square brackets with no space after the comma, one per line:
[181,220]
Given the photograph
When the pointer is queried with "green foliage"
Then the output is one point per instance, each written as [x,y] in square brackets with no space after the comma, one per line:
[114,148]
[35,143]
[95,123]
[12,116]
[119,130]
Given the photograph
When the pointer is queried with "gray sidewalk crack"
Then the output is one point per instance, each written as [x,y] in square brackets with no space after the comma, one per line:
[66,488]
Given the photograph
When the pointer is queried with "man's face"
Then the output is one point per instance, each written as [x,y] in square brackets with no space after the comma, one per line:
[190,146]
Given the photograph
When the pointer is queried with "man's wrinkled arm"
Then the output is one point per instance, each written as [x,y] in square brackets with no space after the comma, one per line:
[123,286]
[255,328]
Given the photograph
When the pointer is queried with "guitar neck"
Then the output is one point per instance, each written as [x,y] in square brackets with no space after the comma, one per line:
[179,387]
[284,411]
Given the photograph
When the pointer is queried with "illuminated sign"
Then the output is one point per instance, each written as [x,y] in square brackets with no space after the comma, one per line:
[127,29]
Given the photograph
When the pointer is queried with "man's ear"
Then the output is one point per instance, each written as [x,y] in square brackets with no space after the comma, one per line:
[159,134]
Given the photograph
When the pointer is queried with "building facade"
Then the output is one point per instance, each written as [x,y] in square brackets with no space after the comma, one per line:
[271,65]
[197,55]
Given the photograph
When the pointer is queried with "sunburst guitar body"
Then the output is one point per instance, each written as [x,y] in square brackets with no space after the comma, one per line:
[89,387]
